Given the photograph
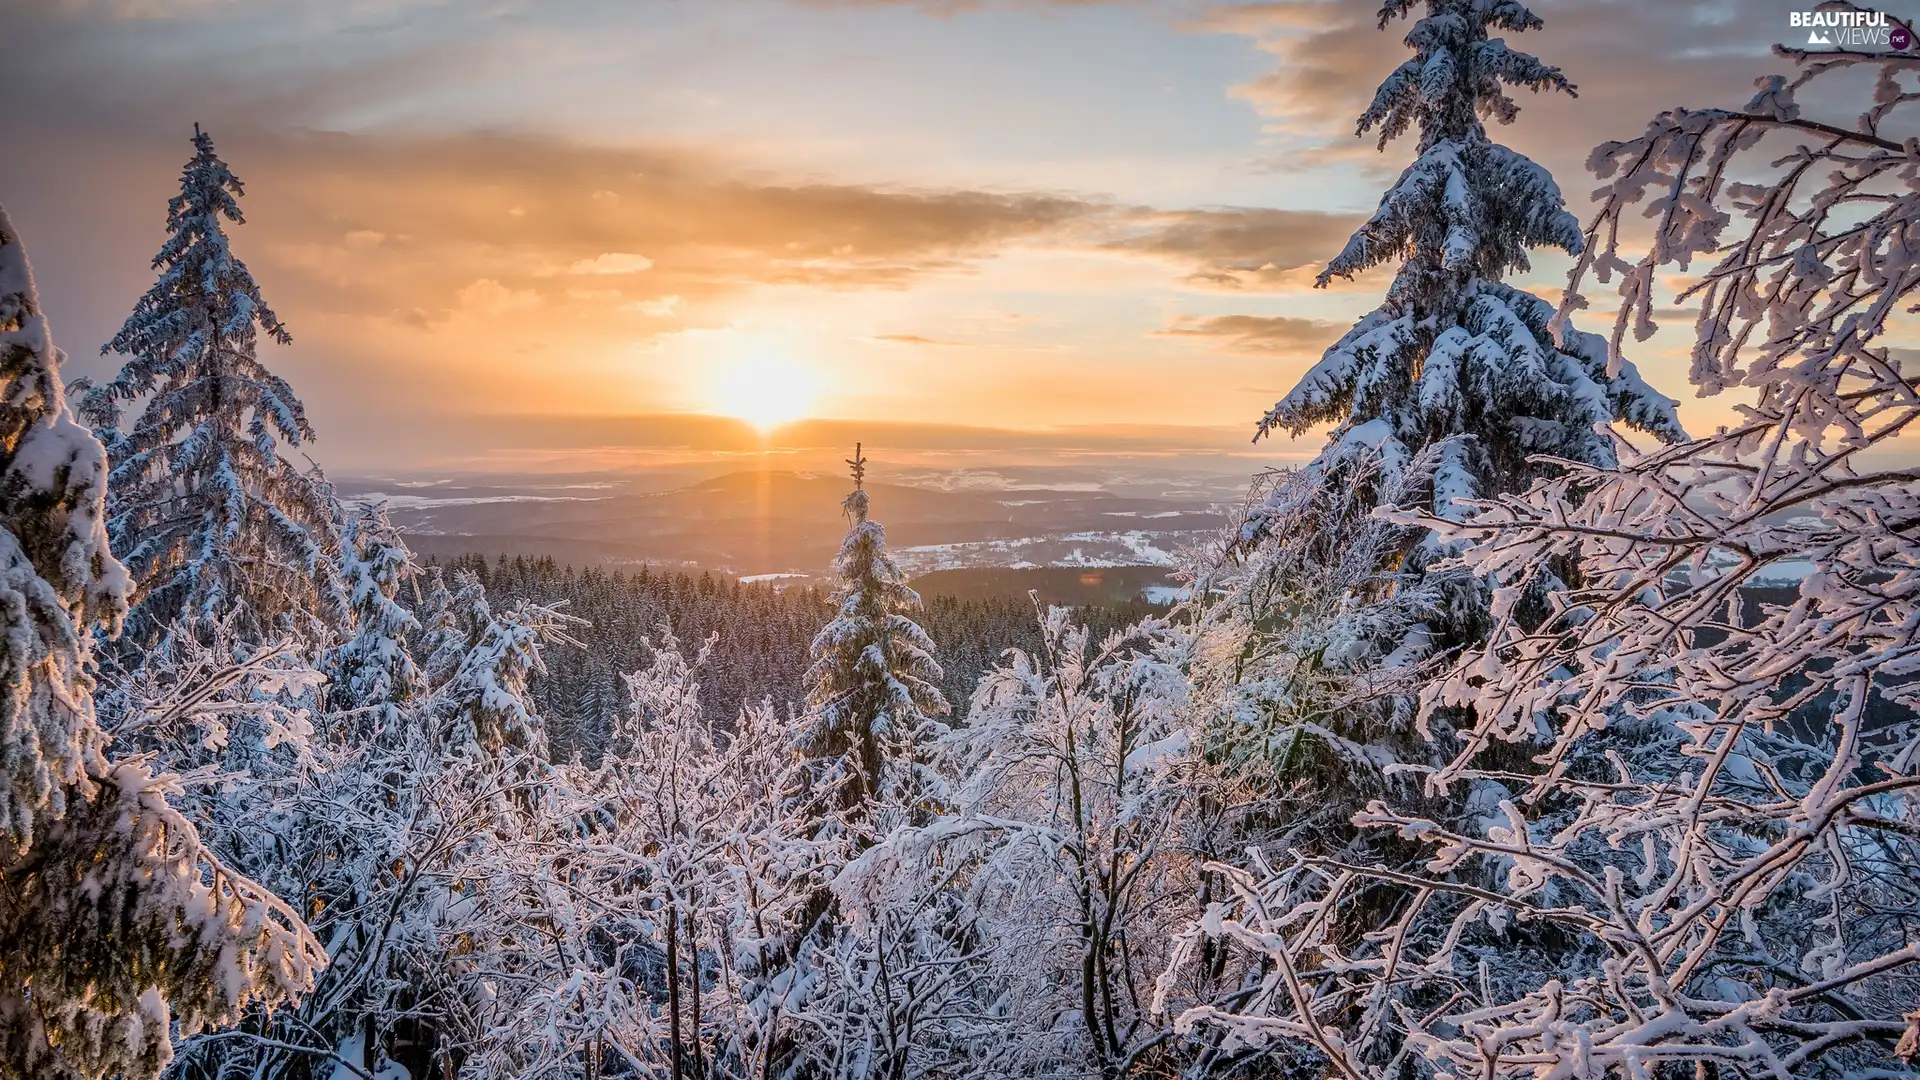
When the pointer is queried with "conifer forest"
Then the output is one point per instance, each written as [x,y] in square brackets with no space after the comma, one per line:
[1524,724]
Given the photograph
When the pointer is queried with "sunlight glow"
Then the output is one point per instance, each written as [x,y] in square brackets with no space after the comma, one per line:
[766,389]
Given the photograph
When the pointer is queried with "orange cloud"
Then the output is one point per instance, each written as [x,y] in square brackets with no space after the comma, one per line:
[1260,334]
[1238,247]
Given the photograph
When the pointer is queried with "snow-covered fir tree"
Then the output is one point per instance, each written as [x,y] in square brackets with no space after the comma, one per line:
[1705,865]
[206,510]
[1453,351]
[451,621]
[483,707]
[1455,387]
[116,924]
[872,691]
[375,670]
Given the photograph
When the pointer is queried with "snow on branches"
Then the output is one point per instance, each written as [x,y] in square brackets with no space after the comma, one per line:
[1453,351]
[1309,646]
[206,511]
[117,922]
[1704,855]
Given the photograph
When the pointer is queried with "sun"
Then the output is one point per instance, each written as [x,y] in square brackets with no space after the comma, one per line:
[766,389]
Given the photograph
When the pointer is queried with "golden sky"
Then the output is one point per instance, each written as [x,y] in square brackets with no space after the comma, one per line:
[507,227]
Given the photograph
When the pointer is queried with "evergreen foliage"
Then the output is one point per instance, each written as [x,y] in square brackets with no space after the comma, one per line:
[1453,353]
[115,922]
[207,512]
[872,692]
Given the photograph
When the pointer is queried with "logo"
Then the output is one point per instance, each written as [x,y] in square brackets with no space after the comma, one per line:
[1851,29]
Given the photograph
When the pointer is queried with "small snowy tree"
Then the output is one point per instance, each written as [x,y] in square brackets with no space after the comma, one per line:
[1077,776]
[207,512]
[1708,862]
[115,922]
[375,669]
[451,621]
[484,705]
[873,694]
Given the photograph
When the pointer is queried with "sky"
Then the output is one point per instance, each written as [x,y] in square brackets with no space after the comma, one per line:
[564,233]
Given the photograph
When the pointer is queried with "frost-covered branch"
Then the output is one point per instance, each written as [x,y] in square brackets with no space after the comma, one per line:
[1694,766]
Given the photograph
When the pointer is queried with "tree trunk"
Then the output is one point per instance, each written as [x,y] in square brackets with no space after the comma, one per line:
[673,988]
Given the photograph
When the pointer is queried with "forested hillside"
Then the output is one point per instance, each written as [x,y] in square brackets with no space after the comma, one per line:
[763,635]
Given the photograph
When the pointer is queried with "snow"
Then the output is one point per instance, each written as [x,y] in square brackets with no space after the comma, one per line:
[784,575]
[1132,547]
[428,502]
[1646,709]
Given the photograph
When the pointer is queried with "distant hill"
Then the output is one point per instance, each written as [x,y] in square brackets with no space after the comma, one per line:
[757,523]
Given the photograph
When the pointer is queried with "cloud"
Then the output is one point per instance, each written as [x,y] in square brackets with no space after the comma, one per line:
[1238,247]
[489,297]
[913,339]
[1281,335]
[386,226]
[1638,57]
[612,262]
[521,443]
[659,307]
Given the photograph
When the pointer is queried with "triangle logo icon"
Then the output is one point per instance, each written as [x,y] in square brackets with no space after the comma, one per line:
[1818,38]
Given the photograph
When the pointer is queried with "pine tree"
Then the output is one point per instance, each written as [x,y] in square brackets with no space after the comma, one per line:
[485,705]
[1455,387]
[1453,351]
[115,922]
[207,512]
[374,669]
[873,688]
[452,621]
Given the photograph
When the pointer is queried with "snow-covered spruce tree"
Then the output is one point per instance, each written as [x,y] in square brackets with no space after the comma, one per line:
[451,621]
[115,922]
[1453,357]
[484,707]
[375,670]
[206,511]
[873,695]
[1445,392]
[1720,825]
[1452,351]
